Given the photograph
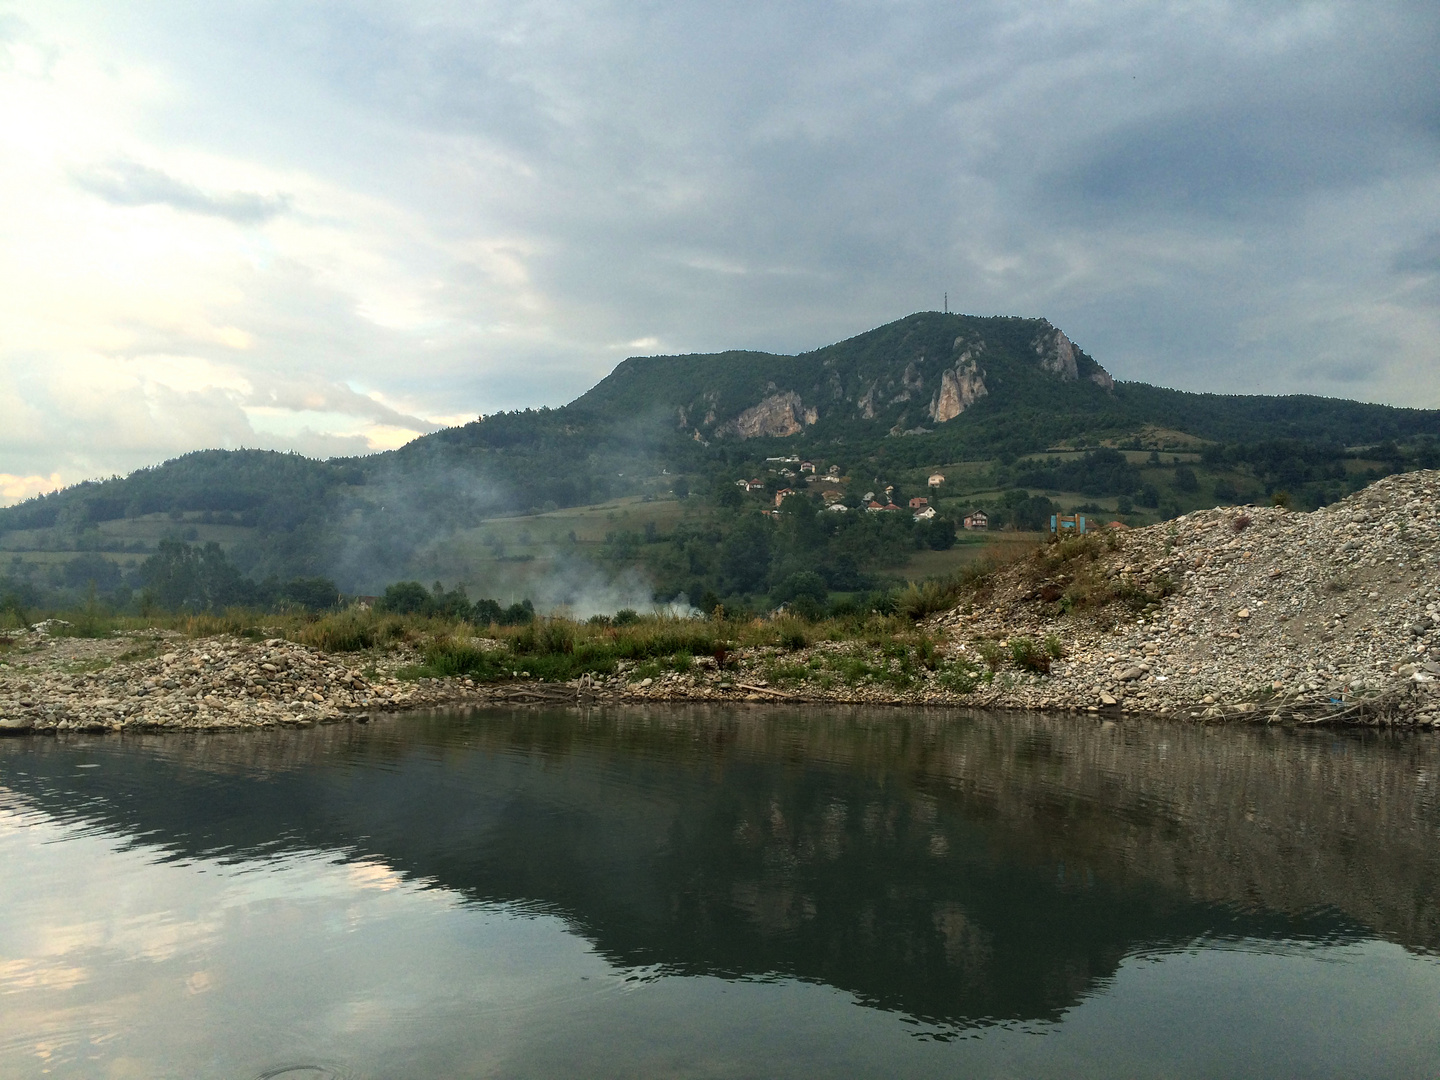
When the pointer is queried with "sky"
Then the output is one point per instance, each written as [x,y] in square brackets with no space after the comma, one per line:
[334,227]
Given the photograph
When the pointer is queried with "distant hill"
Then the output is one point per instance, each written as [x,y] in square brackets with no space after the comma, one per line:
[928,389]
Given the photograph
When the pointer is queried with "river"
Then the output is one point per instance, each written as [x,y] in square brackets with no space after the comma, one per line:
[721,892]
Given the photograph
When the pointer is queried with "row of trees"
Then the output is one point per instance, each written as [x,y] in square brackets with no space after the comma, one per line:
[412,598]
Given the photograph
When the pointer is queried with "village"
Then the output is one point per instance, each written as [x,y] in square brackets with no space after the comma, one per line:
[833,484]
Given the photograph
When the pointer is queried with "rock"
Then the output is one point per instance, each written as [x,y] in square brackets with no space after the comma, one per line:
[14,725]
[1130,674]
[1108,699]
[1243,613]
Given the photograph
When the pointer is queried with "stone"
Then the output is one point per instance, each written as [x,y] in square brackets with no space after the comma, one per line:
[1130,674]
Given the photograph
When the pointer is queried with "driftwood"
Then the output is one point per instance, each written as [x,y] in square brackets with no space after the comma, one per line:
[1384,709]
[765,690]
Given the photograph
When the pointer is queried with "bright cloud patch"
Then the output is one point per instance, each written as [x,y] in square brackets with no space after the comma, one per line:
[14,489]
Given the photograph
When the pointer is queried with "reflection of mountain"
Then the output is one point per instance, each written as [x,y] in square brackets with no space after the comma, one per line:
[961,868]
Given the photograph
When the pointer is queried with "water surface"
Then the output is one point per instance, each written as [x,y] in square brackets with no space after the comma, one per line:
[720,892]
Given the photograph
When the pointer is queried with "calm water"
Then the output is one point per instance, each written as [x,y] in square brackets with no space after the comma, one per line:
[721,893]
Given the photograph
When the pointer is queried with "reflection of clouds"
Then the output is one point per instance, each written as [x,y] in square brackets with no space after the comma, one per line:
[28,973]
[115,961]
[372,875]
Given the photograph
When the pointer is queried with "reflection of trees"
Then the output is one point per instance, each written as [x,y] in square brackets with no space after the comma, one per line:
[958,867]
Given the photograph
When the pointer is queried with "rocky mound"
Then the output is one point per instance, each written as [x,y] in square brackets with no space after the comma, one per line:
[1324,615]
[160,680]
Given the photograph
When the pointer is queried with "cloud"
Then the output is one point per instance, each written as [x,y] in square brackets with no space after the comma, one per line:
[481,204]
[15,489]
[128,183]
[1423,257]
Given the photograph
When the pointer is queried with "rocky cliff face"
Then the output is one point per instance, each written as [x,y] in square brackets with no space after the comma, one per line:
[1057,354]
[960,387]
[778,416]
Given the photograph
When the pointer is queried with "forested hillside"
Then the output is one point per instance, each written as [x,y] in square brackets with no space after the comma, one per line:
[1020,421]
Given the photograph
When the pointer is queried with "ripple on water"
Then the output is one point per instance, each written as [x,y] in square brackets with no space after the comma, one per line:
[308,1071]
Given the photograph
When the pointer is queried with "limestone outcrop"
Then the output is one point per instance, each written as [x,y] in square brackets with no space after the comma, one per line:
[960,387]
[1057,354]
[778,416]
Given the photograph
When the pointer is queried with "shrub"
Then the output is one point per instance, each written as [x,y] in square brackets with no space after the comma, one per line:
[1240,523]
[1028,655]
[625,617]
[556,636]
[449,658]
[991,653]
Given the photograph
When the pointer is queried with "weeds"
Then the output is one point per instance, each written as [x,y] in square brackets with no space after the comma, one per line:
[991,653]
[1029,656]
[916,601]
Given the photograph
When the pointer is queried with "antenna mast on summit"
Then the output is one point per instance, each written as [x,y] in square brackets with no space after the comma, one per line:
[947,303]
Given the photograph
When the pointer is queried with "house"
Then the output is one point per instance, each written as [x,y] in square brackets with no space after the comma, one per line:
[1117,525]
[925,513]
[807,466]
[918,501]
[867,496]
[834,470]
[978,519]
[890,508]
[782,494]
[838,507]
[936,479]
[873,507]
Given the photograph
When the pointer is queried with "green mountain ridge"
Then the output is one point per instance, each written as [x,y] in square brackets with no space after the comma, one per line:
[928,390]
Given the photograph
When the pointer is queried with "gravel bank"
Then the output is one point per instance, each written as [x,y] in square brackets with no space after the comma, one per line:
[1240,613]
[1333,614]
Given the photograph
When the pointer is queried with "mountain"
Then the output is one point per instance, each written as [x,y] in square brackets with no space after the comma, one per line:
[924,391]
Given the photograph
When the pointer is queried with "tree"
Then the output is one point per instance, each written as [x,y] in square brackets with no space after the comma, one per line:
[179,577]
[745,555]
[405,598]
[803,583]
[313,594]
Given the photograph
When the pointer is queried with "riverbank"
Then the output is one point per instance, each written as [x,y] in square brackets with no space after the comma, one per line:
[1233,614]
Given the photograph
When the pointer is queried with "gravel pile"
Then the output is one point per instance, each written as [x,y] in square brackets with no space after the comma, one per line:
[1331,614]
[158,680]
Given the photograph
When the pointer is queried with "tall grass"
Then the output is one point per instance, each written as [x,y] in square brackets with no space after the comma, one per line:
[562,649]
